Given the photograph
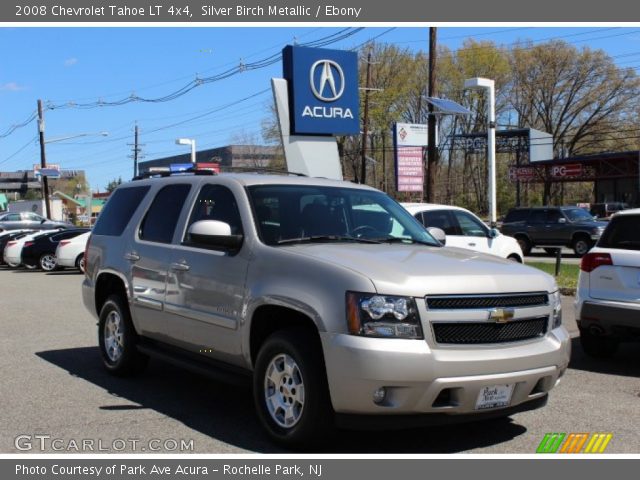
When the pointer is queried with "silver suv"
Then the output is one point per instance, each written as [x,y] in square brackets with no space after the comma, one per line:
[342,309]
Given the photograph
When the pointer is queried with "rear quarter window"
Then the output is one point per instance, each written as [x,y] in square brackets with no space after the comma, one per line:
[119,209]
[623,232]
[516,216]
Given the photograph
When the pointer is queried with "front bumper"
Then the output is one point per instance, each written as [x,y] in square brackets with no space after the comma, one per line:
[416,375]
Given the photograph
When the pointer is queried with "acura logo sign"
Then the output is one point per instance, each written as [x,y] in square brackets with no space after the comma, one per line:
[326,86]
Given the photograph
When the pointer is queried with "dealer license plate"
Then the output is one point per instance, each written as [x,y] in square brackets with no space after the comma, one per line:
[494,396]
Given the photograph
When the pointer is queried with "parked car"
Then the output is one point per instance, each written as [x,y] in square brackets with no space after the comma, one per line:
[605,210]
[548,227]
[465,230]
[9,235]
[607,300]
[12,254]
[70,252]
[41,251]
[33,221]
[301,285]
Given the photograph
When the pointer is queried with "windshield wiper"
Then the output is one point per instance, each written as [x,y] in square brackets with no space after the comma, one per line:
[325,238]
[405,240]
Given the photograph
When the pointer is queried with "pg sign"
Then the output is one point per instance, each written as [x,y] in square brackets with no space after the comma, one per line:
[323,91]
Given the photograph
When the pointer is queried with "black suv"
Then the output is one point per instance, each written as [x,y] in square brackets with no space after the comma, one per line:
[572,227]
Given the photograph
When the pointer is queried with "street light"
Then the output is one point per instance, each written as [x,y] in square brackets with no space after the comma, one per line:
[189,141]
[489,85]
[69,137]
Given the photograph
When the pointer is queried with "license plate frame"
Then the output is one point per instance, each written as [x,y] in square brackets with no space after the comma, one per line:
[494,396]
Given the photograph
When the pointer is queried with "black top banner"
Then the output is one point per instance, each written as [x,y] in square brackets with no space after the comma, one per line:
[351,11]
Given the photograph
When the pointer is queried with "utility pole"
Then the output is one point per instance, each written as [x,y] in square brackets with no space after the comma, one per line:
[432,149]
[43,161]
[365,129]
[136,150]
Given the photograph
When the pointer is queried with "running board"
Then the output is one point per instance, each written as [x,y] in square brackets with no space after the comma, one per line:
[210,368]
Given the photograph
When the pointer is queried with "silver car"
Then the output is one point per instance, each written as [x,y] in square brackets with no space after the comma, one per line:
[30,220]
[330,297]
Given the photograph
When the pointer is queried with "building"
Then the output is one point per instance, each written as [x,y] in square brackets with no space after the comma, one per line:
[615,175]
[229,157]
[18,182]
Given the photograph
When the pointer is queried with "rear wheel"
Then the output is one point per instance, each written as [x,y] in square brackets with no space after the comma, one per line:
[525,244]
[597,346]
[47,262]
[117,339]
[514,258]
[581,245]
[290,389]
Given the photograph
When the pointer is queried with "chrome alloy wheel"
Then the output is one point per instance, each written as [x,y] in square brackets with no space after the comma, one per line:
[284,390]
[113,336]
[48,262]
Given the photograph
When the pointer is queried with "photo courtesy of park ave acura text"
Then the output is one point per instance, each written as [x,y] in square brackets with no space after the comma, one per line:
[353,239]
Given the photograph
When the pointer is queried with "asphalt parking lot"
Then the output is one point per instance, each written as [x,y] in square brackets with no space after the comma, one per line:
[53,385]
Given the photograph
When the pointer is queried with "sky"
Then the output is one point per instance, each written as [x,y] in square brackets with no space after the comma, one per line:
[76,69]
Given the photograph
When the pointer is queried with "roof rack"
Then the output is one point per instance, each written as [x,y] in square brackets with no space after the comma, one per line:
[261,171]
[162,172]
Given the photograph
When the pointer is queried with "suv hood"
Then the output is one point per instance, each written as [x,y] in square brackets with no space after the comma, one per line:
[417,270]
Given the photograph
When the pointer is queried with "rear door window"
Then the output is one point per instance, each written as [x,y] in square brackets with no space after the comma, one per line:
[161,219]
[441,219]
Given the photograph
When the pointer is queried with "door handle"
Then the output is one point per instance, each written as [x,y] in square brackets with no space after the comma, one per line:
[472,244]
[179,267]
[132,256]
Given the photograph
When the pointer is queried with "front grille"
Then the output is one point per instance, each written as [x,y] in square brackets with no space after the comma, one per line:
[489,332]
[459,302]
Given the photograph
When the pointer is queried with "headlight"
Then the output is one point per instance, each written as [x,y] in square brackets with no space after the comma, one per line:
[556,303]
[383,316]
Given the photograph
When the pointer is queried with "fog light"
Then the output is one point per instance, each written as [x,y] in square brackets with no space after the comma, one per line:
[379,395]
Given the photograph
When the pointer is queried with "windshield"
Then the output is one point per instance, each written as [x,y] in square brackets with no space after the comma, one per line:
[578,215]
[287,214]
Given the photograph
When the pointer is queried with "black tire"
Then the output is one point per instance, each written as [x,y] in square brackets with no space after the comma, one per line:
[581,245]
[129,360]
[597,346]
[315,417]
[47,262]
[525,244]
[514,258]
[80,262]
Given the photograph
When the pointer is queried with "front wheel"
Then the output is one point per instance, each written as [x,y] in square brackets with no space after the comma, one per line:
[581,246]
[290,389]
[80,262]
[117,339]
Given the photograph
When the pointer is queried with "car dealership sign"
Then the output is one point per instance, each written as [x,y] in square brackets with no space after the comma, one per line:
[323,91]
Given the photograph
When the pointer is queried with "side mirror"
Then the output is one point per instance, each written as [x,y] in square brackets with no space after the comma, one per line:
[562,220]
[494,232]
[438,234]
[43,220]
[213,234]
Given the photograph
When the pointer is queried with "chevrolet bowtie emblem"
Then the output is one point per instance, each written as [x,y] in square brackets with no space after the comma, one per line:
[501,315]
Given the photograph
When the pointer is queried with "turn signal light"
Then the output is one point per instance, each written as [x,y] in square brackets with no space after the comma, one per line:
[591,261]
[27,244]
